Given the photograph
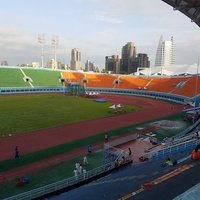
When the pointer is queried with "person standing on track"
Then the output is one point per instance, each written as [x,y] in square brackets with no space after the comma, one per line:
[16,152]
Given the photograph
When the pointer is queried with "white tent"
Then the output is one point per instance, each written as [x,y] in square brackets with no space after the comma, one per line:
[113,107]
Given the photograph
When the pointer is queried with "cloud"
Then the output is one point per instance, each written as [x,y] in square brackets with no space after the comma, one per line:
[14,39]
[97,27]
[107,17]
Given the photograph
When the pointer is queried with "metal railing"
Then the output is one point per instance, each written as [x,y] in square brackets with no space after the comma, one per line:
[188,130]
[29,90]
[47,189]
[179,140]
[170,150]
[65,90]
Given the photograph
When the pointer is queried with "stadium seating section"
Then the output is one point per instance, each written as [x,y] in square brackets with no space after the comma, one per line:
[184,86]
[180,85]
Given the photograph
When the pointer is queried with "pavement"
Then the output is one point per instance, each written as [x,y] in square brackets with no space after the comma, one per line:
[143,181]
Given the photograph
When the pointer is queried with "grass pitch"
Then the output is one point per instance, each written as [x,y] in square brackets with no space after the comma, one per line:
[26,113]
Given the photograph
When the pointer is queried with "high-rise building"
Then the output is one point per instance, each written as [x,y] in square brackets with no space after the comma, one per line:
[143,60]
[75,59]
[4,63]
[89,66]
[54,64]
[165,55]
[128,58]
[112,64]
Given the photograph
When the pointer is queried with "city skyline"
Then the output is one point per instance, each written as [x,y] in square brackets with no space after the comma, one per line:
[96,27]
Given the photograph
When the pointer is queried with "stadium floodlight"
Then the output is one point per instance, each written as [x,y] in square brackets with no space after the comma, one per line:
[55,44]
[41,41]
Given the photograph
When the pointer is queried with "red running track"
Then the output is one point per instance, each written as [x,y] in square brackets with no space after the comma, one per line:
[35,141]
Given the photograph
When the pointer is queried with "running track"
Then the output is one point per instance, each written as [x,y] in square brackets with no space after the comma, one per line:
[35,141]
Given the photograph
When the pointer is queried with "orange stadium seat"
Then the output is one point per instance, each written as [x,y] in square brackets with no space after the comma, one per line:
[100,81]
[73,77]
[191,87]
[127,82]
[184,86]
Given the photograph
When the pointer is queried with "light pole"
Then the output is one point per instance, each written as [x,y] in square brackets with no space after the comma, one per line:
[55,44]
[41,41]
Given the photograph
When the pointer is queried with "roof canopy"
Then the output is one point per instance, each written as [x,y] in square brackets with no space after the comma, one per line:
[190,8]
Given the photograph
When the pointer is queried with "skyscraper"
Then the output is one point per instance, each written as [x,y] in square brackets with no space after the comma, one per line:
[112,63]
[75,59]
[143,60]
[128,58]
[165,55]
[89,66]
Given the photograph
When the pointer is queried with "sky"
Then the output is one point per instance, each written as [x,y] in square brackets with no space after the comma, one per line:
[98,28]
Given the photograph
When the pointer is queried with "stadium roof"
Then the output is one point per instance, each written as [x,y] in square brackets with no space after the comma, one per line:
[190,8]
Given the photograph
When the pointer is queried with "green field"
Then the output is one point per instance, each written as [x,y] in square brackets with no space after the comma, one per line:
[26,113]
[52,174]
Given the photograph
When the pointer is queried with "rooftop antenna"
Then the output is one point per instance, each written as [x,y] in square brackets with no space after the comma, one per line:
[55,44]
[41,41]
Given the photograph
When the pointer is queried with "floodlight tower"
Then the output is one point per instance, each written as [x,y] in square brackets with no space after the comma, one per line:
[55,44]
[41,40]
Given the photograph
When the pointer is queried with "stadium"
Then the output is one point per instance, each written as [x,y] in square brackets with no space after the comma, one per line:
[52,116]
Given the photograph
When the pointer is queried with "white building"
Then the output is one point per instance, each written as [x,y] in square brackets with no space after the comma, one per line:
[35,64]
[165,55]
[75,59]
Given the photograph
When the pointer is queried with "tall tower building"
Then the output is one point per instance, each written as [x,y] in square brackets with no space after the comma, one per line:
[112,63]
[165,55]
[75,59]
[143,60]
[89,66]
[128,58]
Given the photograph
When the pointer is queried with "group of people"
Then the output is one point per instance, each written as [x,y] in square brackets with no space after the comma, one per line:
[124,159]
[79,170]
[120,162]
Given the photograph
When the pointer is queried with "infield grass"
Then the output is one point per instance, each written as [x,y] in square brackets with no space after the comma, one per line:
[27,113]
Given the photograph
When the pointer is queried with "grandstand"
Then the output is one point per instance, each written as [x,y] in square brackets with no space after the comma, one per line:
[22,77]
[179,85]
[179,89]
[46,78]
[144,179]
[12,77]
[186,86]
